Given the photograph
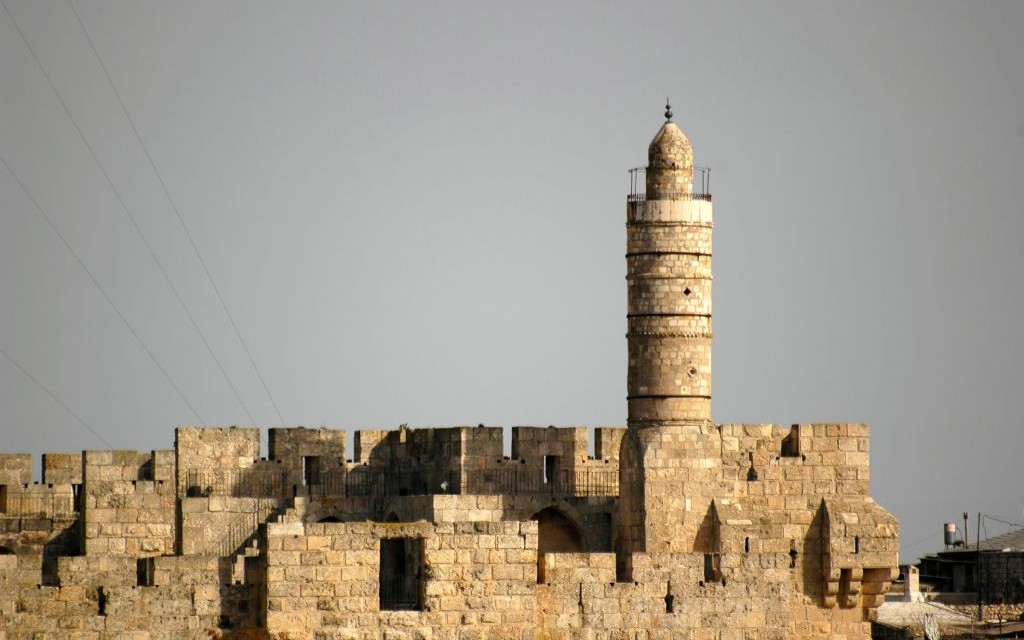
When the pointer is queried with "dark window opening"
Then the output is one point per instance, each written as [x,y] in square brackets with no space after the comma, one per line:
[623,565]
[669,599]
[3,498]
[6,551]
[311,470]
[686,291]
[856,544]
[792,557]
[401,574]
[791,443]
[101,601]
[746,545]
[145,568]
[712,567]
[550,469]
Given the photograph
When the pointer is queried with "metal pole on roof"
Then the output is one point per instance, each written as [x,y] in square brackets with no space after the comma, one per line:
[977,570]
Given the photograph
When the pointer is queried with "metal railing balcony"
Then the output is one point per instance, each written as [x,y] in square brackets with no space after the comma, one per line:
[701,186]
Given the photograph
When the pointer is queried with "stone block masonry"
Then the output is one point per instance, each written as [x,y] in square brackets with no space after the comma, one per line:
[774,537]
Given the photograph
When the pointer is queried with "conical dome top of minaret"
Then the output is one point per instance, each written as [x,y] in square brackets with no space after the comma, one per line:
[669,163]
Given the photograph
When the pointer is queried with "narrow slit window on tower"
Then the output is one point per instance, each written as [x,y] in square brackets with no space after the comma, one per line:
[856,544]
[712,567]
[746,544]
[3,498]
[101,601]
[145,570]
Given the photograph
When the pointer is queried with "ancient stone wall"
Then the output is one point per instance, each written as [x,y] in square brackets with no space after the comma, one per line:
[475,576]
[308,456]
[15,468]
[106,597]
[62,468]
[608,441]
[215,456]
[783,508]
[129,503]
[219,525]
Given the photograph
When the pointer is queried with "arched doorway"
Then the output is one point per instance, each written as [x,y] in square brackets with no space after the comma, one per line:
[556,533]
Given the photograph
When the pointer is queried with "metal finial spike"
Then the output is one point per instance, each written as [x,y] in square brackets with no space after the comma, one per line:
[668,110]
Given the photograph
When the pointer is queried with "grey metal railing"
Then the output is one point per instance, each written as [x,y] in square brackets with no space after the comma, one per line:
[238,483]
[244,526]
[509,480]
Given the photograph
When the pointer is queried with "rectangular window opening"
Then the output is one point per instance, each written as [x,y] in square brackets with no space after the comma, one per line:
[712,567]
[551,465]
[79,497]
[791,443]
[311,470]
[3,498]
[145,568]
[401,574]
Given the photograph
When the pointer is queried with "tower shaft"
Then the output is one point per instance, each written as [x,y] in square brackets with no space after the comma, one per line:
[668,257]
[669,452]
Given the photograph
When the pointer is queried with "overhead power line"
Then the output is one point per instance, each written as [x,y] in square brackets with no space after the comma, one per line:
[127,211]
[181,220]
[132,219]
[39,384]
[96,283]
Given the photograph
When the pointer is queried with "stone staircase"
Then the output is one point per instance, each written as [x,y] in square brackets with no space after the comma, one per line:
[293,511]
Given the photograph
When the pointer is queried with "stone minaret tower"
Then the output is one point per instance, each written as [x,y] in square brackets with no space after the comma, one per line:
[668,262]
[666,451]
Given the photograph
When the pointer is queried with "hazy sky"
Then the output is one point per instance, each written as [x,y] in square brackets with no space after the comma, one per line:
[415,214]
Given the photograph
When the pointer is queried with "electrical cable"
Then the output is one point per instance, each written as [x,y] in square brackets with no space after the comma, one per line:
[913,544]
[127,211]
[1007,523]
[53,396]
[177,214]
[96,283]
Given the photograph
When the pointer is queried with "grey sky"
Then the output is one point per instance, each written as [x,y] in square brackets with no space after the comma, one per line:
[415,212]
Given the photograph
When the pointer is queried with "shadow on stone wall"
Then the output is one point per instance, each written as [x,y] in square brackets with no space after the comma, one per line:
[813,556]
[65,543]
